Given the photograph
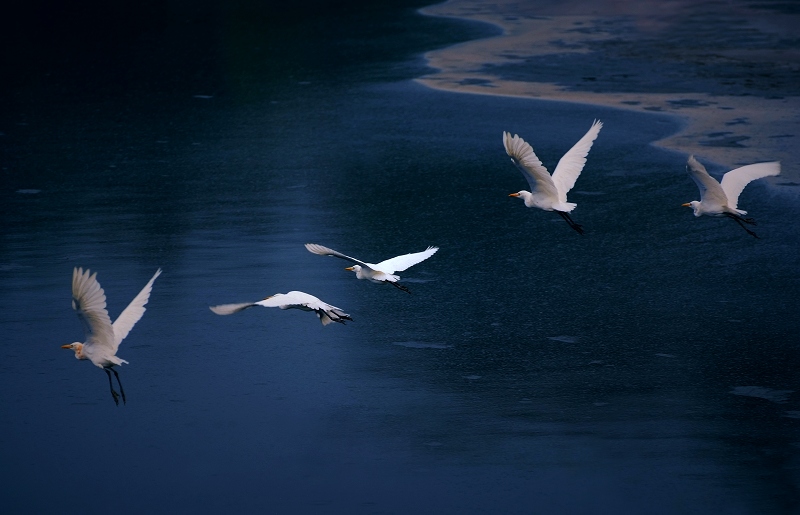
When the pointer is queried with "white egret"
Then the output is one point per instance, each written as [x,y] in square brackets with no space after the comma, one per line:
[103,337]
[382,272]
[549,193]
[720,198]
[292,300]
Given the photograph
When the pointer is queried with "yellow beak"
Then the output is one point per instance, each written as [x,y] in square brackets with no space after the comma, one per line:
[513,194]
[349,268]
[686,205]
[66,346]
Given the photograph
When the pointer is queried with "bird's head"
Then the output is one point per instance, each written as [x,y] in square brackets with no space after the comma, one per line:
[695,205]
[521,194]
[354,268]
[77,347]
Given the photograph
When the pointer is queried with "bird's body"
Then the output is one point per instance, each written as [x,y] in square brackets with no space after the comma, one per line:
[327,313]
[721,198]
[103,337]
[383,272]
[549,192]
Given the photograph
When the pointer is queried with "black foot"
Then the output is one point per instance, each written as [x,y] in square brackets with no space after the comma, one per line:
[738,219]
[114,394]
[399,287]
[577,227]
[121,389]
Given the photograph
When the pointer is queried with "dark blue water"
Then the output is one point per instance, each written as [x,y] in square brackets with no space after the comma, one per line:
[647,367]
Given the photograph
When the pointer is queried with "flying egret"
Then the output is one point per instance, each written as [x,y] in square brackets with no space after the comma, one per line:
[382,272]
[291,300]
[549,193]
[103,337]
[720,198]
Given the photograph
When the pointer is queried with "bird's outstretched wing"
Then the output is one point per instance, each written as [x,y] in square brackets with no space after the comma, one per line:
[523,157]
[571,165]
[400,263]
[89,302]
[293,299]
[734,181]
[710,189]
[279,300]
[327,313]
[325,251]
[229,309]
[133,313]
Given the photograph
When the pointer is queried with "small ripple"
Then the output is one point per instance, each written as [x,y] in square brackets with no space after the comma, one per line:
[760,392]
[564,339]
[423,345]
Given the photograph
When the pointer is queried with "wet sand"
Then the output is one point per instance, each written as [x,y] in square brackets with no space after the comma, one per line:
[729,70]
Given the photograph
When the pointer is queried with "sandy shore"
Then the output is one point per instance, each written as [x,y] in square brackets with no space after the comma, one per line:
[729,70]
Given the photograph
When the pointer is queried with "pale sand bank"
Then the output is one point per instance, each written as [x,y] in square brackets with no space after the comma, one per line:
[729,70]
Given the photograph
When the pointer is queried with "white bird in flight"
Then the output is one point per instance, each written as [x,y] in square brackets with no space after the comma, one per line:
[292,300]
[382,272]
[549,193]
[103,337]
[720,198]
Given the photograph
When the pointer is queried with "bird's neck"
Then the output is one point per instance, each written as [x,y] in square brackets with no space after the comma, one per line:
[79,354]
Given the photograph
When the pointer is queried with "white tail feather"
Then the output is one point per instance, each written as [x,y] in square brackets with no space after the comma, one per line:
[229,309]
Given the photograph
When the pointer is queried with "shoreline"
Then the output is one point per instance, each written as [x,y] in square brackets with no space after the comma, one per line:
[728,130]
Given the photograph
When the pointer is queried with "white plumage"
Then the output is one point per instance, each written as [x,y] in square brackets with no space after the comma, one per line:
[103,337]
[382,272]
[291,300]
[721,198]
[549,192]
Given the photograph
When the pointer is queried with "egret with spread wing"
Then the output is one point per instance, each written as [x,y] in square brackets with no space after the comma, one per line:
[549,193]
[103,337]
[721,198]
[382,272]
[292,300]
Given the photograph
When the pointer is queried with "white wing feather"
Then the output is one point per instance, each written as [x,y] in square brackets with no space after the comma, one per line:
[327,313]
[532,169]
[89,302]
[133,313]
[229,309]
[710,190]
[400,263]
[325,251]
[569,167]
[734,181]
[292,298]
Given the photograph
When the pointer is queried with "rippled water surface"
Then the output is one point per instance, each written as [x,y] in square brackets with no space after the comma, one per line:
[649,366]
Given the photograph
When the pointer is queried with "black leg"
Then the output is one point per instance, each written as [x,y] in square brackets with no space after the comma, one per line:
[568,219]
[738,219]
[399,286]
[121,390]
[114,394]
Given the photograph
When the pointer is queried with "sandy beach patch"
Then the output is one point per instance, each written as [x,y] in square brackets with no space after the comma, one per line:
[730,70]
